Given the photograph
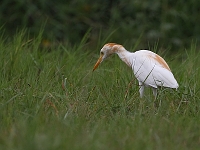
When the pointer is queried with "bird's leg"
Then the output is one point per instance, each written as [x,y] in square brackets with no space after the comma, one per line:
[141,90]
[155,105]
[154,92]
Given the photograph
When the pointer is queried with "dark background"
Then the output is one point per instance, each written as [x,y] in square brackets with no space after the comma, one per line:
[172,24]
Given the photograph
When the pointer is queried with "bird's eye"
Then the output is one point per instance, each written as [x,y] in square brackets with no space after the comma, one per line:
[102,53]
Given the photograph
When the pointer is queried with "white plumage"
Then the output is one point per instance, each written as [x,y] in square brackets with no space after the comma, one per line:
[149,68]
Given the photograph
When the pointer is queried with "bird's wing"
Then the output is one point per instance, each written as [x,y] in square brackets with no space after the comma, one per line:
[152,70]
[163,77]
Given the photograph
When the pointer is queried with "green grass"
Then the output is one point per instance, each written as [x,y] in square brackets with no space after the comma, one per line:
[51,99]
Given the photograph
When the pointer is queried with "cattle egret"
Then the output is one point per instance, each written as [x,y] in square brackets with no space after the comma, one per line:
[150,69]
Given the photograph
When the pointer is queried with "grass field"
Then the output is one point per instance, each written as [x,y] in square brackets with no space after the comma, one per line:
[52,100]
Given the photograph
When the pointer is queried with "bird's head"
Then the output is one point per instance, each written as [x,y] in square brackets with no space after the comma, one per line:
[105,52]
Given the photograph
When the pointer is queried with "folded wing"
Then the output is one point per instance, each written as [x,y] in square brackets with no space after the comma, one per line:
[152,70]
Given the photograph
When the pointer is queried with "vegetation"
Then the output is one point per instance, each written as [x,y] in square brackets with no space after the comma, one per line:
[51,99]
[172,23]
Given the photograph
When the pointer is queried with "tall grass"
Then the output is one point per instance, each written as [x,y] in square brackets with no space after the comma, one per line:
[51,99]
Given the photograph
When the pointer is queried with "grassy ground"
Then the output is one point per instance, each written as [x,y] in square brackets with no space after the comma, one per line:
[53,100]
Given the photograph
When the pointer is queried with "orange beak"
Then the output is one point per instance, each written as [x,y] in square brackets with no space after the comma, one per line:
[98,62]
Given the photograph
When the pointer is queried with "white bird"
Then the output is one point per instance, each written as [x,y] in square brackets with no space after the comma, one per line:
[150,69]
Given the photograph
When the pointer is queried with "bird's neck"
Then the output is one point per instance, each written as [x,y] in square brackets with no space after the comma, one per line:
[124,55]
